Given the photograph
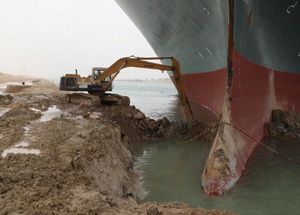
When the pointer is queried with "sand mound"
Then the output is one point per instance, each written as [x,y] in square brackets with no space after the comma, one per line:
[15,88]
[41,86]
[31,85]
[14,78]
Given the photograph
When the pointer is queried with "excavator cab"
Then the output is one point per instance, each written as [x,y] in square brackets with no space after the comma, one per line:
[107,82]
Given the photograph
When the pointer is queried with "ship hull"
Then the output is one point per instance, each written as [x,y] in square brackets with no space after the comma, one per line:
[212,85]
[235,73]
[255,92]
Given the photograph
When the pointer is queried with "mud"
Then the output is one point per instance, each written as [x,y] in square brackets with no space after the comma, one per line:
[85,165]
[208,133]
[5,99]
[139,128]
[12,125]
[284,124]
[15,88]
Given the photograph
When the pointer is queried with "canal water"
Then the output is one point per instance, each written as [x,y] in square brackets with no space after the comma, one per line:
[171,171]
[155,99]
[270,184]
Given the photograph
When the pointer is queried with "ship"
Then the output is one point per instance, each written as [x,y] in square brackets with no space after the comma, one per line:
[240,60]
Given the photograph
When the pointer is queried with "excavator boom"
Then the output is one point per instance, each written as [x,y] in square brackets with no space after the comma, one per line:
[134,62]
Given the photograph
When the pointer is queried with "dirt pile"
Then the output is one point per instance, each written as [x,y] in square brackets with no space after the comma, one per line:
[12,125]
[15,88]
[5,99]
[284,123]
[81,170]
[14,78]
[42,86]
[135,124]
[34,86]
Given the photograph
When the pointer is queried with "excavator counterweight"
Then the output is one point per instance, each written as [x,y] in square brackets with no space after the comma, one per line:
[101,79]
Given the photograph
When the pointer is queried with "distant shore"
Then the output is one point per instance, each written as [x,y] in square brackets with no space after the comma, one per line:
[163,80]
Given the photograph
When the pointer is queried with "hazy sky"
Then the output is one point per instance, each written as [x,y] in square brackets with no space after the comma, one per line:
[48,38]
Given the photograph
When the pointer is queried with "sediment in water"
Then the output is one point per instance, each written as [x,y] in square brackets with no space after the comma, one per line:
[284,124]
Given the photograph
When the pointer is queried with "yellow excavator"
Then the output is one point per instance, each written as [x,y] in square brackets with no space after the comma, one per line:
[101,79]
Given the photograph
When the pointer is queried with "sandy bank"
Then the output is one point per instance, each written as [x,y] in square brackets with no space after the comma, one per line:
[85,165]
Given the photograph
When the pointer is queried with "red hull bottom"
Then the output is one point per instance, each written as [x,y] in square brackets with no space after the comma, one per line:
[206,93]
[244,109]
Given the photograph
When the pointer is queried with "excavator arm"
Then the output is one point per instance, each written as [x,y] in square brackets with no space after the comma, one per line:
[133,62]
[137,62]
[98,85]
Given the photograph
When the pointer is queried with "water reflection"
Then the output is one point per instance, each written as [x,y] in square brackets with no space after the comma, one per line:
[20,151]
[51,113]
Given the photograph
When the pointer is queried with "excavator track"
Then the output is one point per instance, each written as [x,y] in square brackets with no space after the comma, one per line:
[107,99]
[115,99]
[83,98]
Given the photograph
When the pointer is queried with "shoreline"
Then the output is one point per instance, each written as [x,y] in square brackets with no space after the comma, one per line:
[85,165]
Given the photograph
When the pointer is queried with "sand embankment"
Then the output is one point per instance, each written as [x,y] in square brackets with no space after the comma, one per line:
[82,163]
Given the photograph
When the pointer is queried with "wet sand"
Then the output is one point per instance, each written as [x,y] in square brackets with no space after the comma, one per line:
[80,161]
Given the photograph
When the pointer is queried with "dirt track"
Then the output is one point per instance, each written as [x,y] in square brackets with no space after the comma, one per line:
[85,165]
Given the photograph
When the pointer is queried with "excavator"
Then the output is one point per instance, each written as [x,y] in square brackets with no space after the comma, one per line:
[101,81]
